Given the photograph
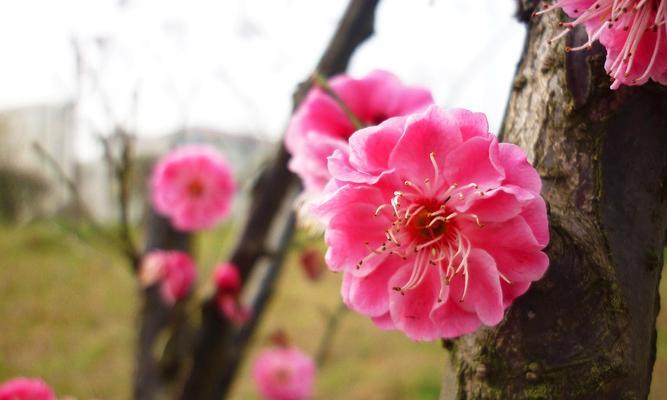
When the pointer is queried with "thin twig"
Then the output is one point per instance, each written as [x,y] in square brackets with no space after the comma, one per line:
[330,330]
[323,83]
[74,192]
[214,364]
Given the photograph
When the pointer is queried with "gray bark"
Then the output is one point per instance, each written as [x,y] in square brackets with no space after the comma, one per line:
[587,329]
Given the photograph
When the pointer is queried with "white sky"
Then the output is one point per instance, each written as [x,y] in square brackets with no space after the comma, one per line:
[233,64]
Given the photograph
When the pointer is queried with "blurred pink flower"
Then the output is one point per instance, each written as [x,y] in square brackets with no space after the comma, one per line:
[193,186]
[284,374]
[634,32]
[174,270]
[436,226]
[228,285]
[26,389]
[320,126]
[312,263]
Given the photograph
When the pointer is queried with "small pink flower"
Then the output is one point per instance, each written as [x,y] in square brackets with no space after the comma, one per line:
[26,389]
[194,186]
[634,32]
[320,126]
[312,263]
[284,374]
[175,271]
[436,226]
[228,285]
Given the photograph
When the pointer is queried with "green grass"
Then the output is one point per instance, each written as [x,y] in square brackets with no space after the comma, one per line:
[67,314]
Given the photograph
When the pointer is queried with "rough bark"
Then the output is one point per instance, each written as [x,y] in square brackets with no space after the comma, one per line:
[152,368]
[587,329]
[215,358]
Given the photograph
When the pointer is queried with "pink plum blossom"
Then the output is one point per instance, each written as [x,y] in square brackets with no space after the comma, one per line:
[320,126]
[26,389]
[634,32]
[228,286]
[174,270]
[193,186]
[435,225]
[284,373]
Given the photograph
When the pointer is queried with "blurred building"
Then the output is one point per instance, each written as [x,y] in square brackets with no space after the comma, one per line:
[31,186]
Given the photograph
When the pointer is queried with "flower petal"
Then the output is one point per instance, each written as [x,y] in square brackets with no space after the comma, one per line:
[410,310]
[484,294]
[475,161]
[432,131]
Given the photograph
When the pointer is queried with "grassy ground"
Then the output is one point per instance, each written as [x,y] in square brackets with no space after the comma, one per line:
[67,314]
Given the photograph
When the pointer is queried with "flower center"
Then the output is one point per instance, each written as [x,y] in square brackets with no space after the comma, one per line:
[282,375]
[428,226]
[195,188]
[424,231]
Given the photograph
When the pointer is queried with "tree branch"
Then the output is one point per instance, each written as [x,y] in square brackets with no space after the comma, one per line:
[212,359]
[587,329]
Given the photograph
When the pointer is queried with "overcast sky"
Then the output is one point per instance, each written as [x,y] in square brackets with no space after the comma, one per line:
[233,64]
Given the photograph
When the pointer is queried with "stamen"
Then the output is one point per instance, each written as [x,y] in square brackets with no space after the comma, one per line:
[435,220]
[503,277]
[436,170]
[430,242]
[413,186]
[380,208]
[390,236]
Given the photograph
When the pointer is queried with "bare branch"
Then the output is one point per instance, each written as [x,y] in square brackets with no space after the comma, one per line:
[215,360]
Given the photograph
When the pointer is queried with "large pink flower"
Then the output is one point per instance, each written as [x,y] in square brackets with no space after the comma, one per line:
[436,226]
[284,373]
[194,186]
[320,126]
[174,270]
[228,289]
[26,389]
[634,32]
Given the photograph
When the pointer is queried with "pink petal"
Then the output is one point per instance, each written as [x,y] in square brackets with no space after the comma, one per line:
[513,290]
[470,123]
[370,147]
[453,321]
[410,310]
[369,294]
[349,231]
[384,322]
[498,205]
[513,247]
[518,170]
[484,295]
[535,214]
[432,131]
[475,161]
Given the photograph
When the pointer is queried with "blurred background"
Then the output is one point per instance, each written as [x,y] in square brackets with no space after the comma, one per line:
[77,76]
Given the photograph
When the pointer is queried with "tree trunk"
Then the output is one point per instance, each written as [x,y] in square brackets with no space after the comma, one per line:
[216,353]
[153,367]
[587,329]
